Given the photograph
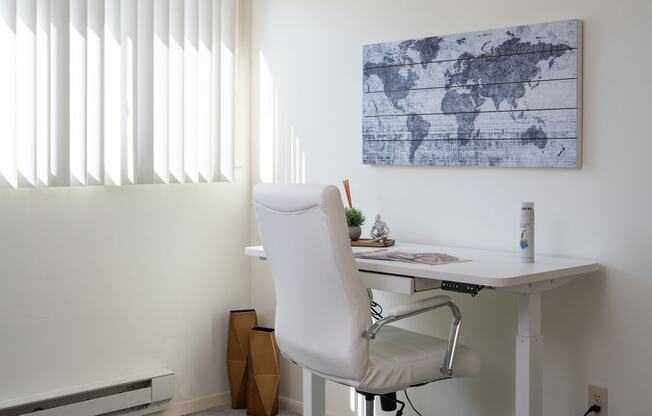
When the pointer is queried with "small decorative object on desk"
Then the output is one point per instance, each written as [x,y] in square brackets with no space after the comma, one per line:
[379,236]
[380,230]
[354,219]
[368,242]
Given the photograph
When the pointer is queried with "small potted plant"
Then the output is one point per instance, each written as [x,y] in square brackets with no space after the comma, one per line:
[354,219]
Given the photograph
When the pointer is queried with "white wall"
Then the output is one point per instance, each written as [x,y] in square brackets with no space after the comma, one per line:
[102,282]
[306,105]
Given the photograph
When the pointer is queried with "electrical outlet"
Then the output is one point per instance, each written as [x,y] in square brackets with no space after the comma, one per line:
[598,395]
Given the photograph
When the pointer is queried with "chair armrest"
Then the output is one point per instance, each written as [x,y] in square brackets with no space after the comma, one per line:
[418,307]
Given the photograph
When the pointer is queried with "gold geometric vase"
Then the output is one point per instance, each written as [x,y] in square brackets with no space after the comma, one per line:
[264,375]
[237,354]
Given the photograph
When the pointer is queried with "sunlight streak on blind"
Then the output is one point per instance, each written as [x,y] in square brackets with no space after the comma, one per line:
[8,175]
[227,103]
[116,92]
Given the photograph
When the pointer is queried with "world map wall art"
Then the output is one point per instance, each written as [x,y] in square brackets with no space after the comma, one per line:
[505,97]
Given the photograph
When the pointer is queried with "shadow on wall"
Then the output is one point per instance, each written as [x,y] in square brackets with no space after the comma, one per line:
[281,155]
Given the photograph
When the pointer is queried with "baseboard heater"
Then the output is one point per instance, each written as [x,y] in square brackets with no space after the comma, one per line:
[133,396]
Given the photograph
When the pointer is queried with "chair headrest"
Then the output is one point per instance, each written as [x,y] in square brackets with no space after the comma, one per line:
[294,198]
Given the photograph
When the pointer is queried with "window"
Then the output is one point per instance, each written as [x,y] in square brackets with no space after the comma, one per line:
[113,92]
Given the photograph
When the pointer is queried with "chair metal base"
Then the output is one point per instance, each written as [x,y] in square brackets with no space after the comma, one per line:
[369,404]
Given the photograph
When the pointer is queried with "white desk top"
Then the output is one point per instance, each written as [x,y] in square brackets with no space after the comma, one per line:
[487,268]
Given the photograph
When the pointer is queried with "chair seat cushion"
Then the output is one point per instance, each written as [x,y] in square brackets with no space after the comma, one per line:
[399,359]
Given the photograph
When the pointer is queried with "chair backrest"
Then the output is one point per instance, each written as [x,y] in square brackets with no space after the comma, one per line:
[322,307]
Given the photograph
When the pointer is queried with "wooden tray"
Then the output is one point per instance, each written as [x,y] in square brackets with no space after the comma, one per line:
[367,242]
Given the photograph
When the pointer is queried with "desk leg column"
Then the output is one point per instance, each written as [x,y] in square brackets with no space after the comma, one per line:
[529,356]
[314,394]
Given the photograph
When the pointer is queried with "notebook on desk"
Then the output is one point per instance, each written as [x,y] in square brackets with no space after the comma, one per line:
[409,257]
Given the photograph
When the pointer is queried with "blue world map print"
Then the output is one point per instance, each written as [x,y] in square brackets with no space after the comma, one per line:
[505,97]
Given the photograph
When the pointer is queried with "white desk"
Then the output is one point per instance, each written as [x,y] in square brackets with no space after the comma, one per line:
[499,270]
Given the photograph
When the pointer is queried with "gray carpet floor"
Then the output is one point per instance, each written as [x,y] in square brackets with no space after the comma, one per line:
[227,411]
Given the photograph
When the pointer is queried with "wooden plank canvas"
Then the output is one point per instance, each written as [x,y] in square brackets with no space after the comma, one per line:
[504,97]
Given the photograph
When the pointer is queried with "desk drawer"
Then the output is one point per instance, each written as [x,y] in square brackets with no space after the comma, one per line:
[421,284]
[406,285]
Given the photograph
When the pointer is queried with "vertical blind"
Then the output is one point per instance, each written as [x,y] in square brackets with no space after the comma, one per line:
[113,92]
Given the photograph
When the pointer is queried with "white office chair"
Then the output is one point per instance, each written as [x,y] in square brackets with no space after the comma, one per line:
[323,320]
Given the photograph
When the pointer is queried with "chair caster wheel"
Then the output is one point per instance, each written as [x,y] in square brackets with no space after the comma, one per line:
[388,402]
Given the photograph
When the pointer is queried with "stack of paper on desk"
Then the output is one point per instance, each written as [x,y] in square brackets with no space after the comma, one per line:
[408,257]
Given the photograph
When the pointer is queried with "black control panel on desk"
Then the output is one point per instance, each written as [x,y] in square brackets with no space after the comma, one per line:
[461,287]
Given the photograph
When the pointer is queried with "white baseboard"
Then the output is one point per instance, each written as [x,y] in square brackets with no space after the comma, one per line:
[291,405]
[205,403]
[296,406]
[197,405]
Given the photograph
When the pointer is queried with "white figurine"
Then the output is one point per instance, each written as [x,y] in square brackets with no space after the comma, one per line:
[380,230]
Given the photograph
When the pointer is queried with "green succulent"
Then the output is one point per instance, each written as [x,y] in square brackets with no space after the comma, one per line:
[354,217]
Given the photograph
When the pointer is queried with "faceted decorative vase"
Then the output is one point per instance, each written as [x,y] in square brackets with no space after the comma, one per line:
[262,388]
[237,353]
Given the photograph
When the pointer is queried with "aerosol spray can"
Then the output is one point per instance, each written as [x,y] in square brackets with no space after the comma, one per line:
[527,232]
